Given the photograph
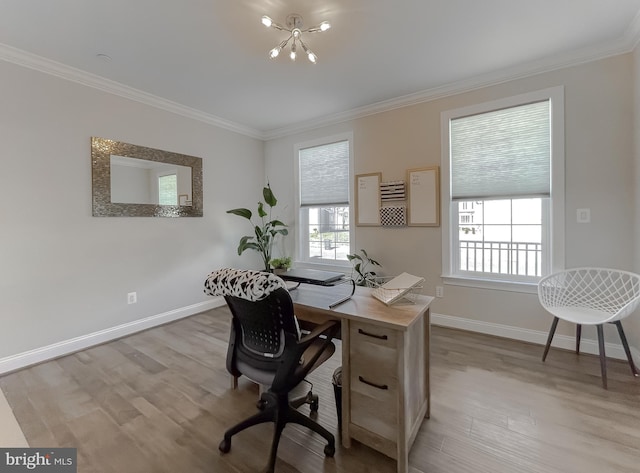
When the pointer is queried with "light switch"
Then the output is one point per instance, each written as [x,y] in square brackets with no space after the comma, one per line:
[583,215]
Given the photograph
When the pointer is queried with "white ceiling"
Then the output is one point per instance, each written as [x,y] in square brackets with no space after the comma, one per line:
[208,58]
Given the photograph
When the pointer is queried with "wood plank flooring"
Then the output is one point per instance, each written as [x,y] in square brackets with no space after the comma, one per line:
[159,401]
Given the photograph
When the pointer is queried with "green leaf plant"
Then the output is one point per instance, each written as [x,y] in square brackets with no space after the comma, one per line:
[265,232]
[360,272]
[281,263]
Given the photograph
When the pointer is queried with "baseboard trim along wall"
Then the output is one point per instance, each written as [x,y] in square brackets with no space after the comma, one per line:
[587,345]
[56,350]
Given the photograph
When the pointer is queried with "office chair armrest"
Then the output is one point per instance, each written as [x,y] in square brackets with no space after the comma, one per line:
[293,353]
[331,327]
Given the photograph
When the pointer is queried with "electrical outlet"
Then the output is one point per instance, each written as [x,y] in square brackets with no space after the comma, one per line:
[132,298]
[583,215]
[439,291]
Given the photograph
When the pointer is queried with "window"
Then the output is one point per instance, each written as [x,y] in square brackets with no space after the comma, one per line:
[324,198]
[503,179]
[168,189]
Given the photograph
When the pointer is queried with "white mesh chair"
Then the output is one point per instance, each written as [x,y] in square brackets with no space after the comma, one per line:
[591,296]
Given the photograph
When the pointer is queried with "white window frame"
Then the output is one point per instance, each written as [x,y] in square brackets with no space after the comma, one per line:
[302,240]
[553,234]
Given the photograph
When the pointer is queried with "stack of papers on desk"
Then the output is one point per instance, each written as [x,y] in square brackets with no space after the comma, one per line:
[396,288]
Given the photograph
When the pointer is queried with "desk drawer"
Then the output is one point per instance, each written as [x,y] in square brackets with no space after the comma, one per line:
[360,333]
[374,379]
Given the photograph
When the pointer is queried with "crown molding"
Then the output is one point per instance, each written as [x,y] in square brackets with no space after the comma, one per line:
[622,45]
[613,48]
[63,71]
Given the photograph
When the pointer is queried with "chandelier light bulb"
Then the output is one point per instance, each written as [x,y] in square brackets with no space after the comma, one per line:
[293,54]
[276,51]
[310,55]
[324,26]
[266,21]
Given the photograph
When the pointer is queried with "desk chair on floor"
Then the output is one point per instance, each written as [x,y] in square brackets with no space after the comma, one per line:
[265,346]
[591,296]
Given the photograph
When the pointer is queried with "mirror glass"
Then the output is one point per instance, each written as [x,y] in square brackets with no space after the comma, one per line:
[136,181]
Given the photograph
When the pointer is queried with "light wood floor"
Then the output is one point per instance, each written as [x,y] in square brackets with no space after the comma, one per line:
[158,401]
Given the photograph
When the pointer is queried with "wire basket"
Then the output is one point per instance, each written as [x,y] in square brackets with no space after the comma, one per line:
[384,294]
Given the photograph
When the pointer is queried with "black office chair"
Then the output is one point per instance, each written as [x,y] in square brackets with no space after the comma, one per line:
[265,346]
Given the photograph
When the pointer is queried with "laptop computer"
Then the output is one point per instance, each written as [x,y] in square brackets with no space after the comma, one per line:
[312,276]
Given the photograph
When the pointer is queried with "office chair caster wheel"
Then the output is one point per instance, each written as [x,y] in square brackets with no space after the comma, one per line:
[225,446]
[329,450]
[313,402]
[261,404]
[314,406]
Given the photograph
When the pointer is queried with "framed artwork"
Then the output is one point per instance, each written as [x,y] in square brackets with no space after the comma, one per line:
[424,196]
[368,199]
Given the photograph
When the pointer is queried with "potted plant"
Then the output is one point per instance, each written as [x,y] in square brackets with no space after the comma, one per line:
[361,274]
[281,265]
[265,232]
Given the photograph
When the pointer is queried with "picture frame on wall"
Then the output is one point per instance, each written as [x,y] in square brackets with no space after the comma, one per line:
[367,188]
[423,197]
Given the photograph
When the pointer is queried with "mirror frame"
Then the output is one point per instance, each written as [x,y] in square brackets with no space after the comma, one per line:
[101,151]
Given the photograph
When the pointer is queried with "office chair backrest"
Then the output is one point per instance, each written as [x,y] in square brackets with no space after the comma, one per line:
[263,320]
[263,328]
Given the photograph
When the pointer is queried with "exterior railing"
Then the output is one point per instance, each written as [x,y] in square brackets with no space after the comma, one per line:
[517,258]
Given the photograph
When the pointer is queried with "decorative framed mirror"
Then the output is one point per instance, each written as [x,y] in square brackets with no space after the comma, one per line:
[135,181]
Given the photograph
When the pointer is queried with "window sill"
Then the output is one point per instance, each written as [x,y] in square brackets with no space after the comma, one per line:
[496,285]
[325,266]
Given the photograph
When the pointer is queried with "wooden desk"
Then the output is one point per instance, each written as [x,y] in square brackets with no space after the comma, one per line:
[385,366]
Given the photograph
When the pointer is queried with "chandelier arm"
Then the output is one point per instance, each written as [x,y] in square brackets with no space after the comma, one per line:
[284,43]
[310,54]
[321,28]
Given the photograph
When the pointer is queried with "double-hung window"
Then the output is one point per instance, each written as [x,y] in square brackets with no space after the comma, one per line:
[503,170]
[168,189]
[324,199]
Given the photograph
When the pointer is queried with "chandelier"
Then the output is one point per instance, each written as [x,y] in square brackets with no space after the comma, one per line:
[294,28]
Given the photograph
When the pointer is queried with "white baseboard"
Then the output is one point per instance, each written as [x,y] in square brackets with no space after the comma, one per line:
[49,352]
[613,350]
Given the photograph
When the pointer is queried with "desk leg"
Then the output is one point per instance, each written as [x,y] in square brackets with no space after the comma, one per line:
[346,384]
[427,360]
[403,350]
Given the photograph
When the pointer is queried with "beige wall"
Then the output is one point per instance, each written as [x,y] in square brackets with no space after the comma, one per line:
[64,273]
[599,145]
[633,324]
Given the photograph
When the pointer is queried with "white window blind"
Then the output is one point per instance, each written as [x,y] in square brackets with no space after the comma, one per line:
[324,175]
[503,153]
